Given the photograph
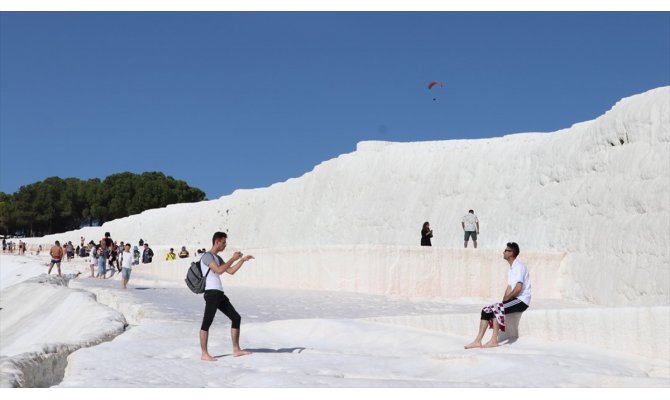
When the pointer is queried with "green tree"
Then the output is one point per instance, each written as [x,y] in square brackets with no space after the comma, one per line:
[57,205]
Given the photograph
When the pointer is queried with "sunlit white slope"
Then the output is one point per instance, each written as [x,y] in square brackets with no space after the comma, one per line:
[598,191]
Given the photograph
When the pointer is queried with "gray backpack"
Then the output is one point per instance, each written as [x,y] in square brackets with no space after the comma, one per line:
[194,279]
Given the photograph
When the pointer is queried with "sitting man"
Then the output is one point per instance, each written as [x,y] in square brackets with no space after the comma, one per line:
[183,253]
[516,299]
[171,255]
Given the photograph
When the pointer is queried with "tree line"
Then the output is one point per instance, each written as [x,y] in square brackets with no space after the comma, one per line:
[58,205]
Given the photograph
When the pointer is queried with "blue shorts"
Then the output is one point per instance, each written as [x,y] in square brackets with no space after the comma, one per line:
[101,268]
[125,273]
[55,261]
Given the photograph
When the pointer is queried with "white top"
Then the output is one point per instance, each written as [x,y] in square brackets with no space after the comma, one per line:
[127,260]
[519,273]
[213,281]
[470,221]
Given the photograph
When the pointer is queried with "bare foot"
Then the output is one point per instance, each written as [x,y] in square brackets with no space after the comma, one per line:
[491,343]
[207,357]
[474,345]
[238,353]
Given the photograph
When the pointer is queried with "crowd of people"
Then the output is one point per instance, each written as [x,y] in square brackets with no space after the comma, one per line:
[11,247]
[108,257]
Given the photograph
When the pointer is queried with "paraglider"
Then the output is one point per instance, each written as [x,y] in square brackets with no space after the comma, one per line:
[432,84]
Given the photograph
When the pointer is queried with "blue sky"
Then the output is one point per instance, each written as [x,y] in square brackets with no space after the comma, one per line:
[228,100]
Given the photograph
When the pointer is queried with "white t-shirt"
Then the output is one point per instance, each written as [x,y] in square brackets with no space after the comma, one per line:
[127,260]
[470,221]
[519,273]
[213,281]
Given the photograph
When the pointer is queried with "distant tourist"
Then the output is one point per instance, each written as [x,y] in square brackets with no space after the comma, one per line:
[93,252]
[426,234]
[82,251]
[215,299]
[171,255]
[516,299]
[56,254]
[39,248]
[114,257]
[102,261]
[108,241]
[183,253]
[147,254]
[470,224]
[4,244]
[126,265]
[141,243]
[136,255]
[70,251]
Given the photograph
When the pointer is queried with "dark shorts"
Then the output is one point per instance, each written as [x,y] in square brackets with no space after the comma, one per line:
[512,306]
[470,233]
[55,260]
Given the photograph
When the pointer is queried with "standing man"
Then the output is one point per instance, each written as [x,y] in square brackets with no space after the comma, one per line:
[516,299]
[56,253]
[470,224]
[212,266]
[147,254]
[126,265]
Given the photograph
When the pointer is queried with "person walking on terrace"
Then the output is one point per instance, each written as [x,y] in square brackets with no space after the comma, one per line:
[212,266]
[516,299]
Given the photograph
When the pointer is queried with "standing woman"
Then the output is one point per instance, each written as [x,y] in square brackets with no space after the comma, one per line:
[426,234]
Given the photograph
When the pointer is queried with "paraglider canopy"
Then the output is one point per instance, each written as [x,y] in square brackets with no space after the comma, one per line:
[435,83]
[432,84]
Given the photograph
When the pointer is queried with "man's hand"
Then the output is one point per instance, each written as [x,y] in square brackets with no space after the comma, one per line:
[247,258]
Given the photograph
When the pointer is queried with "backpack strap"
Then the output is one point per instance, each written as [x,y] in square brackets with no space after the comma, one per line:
[208,268]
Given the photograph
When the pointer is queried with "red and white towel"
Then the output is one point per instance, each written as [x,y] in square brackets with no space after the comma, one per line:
[498,311]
